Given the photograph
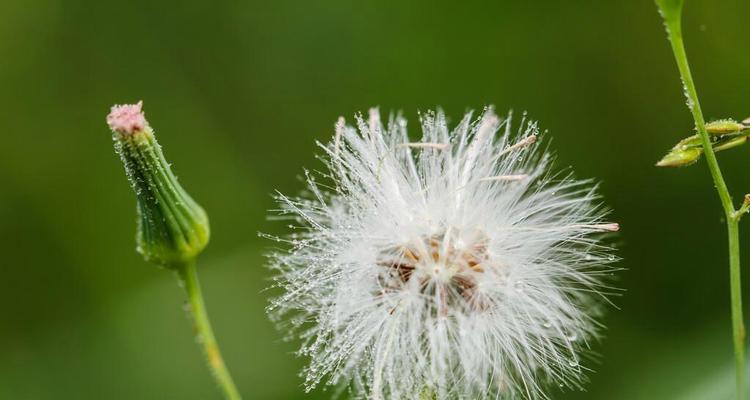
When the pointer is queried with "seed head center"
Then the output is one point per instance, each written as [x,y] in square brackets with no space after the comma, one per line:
[448,264]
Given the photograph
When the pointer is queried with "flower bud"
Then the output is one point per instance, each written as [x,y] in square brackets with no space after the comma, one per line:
[724,127]
[172,228]
[680,157]
[690,141]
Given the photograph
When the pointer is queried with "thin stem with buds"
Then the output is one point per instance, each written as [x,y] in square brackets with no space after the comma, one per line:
[671,11]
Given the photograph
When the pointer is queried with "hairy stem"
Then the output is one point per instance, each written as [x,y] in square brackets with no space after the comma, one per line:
[672,18]
[189,279]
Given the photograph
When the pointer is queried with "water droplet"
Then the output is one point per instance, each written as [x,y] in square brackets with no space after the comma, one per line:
[572,337]
[573,363]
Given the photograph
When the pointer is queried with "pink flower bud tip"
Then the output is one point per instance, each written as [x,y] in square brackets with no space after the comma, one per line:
[127,118]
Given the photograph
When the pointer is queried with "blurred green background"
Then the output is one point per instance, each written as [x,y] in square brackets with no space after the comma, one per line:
[239,91]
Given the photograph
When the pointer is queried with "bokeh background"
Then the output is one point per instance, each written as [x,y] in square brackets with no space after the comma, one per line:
[238,92]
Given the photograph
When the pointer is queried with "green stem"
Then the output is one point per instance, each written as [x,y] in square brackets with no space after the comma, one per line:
[189,279]
[674,27]
[738,331]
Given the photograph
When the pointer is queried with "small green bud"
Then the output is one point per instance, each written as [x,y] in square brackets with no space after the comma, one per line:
[680,157]
[172,227]
[690,141]
[724,127]
[731,143]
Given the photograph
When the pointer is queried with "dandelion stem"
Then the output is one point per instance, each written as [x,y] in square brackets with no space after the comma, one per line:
[672,12]
[189,279]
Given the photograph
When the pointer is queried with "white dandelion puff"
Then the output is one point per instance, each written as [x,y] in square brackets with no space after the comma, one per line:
[457,266]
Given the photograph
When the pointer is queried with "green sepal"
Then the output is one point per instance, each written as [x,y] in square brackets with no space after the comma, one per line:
[172,228]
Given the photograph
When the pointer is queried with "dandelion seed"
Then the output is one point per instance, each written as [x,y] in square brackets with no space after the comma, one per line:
[436,146]
[374,121]
[340,126]
[410,278]
[611,227]
[517,177]
[529,140]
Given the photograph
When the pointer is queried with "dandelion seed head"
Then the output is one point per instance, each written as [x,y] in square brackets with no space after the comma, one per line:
[458,265]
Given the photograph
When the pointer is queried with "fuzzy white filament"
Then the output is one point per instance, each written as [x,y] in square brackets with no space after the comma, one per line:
[517,177]
[419,270]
